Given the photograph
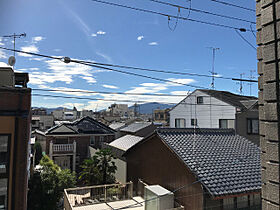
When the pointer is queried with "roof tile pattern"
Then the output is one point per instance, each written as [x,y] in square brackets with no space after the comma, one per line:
[126,142]
[224,162]
[136,126]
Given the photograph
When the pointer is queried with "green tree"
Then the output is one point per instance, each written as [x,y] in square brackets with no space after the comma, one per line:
[100,169]
[37,152]
[47,184]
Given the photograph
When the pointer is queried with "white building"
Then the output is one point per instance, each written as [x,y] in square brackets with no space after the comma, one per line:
[211,109]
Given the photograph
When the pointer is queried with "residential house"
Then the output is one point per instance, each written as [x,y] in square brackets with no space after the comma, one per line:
[118,148]
[206,168]
[15,118]
[218,109]
[138,129]
[68,143]
[161,116]
[117,126]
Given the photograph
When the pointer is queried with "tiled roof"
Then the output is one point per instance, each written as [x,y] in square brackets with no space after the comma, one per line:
[126,142]
[85,125]
[136,126]
[228,97]
[224,162]
[117,125]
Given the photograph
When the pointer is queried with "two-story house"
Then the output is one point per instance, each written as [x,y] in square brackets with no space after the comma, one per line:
[68,143]
[218,109]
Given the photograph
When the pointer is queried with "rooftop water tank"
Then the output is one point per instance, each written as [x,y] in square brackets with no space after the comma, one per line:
[7,77]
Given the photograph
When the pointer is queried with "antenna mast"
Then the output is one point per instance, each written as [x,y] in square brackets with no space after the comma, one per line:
[15,36]
[213,73]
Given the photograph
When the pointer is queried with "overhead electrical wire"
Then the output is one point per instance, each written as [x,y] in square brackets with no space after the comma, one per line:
[202,11]
[131,67]
[233,5]
[173,16]
[244,39]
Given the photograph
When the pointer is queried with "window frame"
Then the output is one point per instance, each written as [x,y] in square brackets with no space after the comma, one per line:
[250,122]
[194,122]
[199,99]
[184,120]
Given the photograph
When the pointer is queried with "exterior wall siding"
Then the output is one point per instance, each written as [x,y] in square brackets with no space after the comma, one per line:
[152,162]
[207,116]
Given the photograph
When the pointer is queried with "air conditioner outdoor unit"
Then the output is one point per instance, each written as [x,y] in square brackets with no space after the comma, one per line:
[158,198]
[7,77]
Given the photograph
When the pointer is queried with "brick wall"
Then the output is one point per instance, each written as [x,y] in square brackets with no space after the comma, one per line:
[268,54]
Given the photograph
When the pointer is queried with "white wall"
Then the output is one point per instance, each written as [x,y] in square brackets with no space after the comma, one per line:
[207,115]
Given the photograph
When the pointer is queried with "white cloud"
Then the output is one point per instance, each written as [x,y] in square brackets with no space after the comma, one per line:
[182,81]
[110,86]
[31,48]
[90,80]
[153,43]
[139,38]
[34,69]
[106,57]
[37,59]
[1,43]
[180,93]
[2,64]
[37,39]
[100,32]
[2,54]
[57,50]
[93,35]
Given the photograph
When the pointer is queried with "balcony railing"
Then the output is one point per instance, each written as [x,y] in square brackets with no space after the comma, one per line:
[63,147]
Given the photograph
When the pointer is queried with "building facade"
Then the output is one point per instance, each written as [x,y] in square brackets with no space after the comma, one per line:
[15,118]
[218,109]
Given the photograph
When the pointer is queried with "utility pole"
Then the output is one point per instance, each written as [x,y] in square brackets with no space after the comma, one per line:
[15,36]
[213,66]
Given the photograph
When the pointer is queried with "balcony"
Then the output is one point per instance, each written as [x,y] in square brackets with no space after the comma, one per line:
[108,197]
[63,147]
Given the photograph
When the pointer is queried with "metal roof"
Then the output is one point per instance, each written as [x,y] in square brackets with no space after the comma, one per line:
[126,142]
[136,126]
[225,163]
[117,125]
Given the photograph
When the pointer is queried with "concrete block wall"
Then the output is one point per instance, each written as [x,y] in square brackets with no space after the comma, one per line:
[268,55]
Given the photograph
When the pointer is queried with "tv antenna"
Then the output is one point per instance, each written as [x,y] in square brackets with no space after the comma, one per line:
[15,36]
[213,73]
[251,77]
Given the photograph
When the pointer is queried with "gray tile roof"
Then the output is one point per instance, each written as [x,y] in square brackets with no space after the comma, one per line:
[136,126]
[224,162]
[117,125]
[228,97]
[85,125]
[126,142]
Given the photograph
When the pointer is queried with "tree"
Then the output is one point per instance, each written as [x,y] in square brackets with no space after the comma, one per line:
[47,184]
[99,169]
[37,152]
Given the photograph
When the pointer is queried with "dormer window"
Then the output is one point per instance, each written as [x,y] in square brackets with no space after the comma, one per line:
[199,100]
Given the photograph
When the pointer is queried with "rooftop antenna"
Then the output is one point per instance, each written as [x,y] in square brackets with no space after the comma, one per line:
[15,36]
[213,74]
[241,84]
[251,77]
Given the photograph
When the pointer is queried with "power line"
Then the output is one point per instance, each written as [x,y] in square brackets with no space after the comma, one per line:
[131,67]
[203,11]
[242,37]
[173,16]
[103,92]
[233,5]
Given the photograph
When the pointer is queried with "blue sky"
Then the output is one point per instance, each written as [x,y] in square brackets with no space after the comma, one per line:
[92,31]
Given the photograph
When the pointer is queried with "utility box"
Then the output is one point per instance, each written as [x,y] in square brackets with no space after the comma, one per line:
[158,198]
[7,77]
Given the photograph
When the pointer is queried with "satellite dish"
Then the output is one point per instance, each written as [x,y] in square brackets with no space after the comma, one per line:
[12,61]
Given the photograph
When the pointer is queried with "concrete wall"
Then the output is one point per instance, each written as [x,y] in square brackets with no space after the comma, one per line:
[268,54]
[207,116]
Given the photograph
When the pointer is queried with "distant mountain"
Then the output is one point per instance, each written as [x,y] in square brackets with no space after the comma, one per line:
[49,110]
[148,108]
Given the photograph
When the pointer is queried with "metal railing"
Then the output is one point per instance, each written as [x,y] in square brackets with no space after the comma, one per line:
[84,196]
[63,147]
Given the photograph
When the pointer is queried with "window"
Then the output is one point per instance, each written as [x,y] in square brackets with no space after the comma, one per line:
[180,123]
[4,169]
[252,126]
[199,100]
[194,122]
[92,140]
[224,123]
